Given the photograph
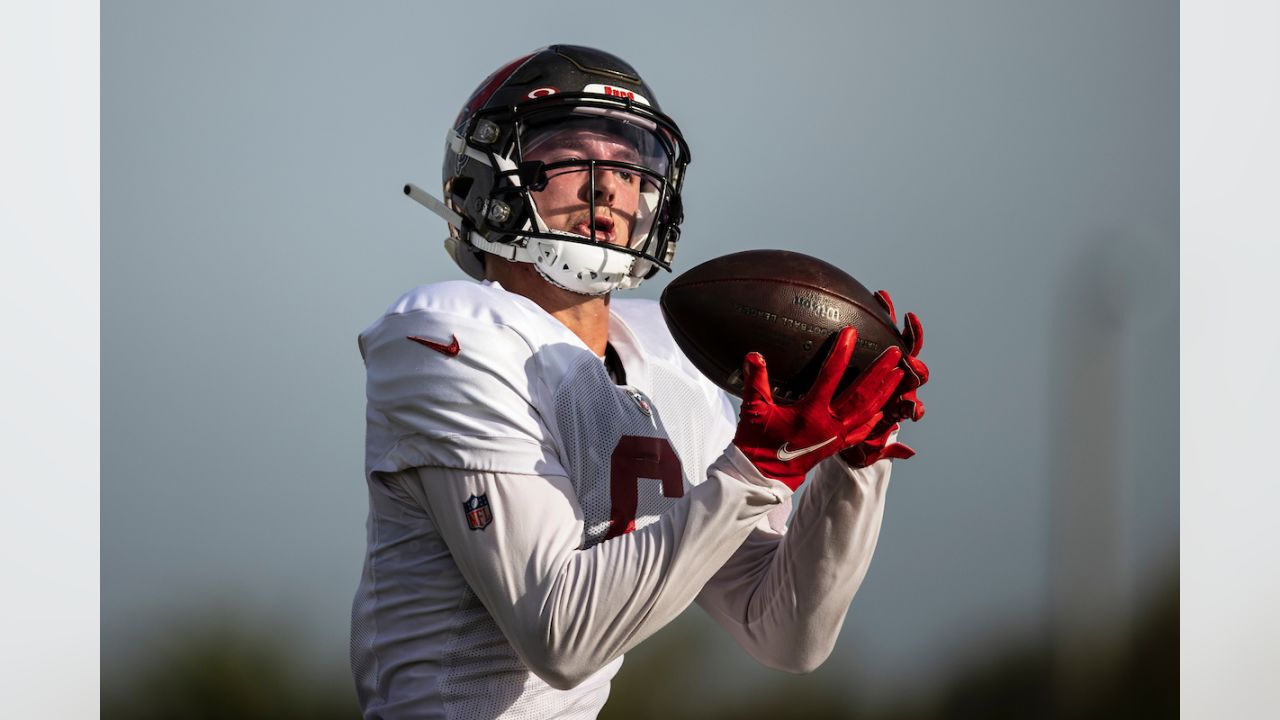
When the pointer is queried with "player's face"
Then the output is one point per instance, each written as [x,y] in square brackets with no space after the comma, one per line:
[566,202]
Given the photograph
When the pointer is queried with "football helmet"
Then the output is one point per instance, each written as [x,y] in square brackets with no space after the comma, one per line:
[564,116]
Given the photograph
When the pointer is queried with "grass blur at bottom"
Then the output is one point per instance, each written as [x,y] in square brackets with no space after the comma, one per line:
[1136,676]
[230,668]
[227,667]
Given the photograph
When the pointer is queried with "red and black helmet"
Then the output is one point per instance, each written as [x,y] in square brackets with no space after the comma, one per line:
[489,182]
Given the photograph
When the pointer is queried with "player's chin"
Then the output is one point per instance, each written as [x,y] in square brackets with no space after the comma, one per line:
[619,238]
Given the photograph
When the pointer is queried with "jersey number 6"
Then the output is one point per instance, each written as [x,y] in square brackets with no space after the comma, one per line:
[636,458]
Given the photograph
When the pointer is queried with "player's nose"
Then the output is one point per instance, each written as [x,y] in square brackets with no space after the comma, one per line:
[607,185]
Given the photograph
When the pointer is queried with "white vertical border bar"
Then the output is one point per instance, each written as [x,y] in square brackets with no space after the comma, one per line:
[1230,358]
[49,367]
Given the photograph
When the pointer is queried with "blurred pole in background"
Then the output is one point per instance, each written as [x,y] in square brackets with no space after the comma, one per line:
[1090,582]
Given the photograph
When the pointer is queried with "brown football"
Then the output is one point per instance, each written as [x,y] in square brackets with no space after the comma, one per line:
[784,305]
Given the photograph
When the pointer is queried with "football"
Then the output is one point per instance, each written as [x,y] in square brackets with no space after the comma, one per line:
[785,305]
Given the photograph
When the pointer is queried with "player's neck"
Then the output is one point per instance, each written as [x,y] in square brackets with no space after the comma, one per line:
[587,316]
[588,319]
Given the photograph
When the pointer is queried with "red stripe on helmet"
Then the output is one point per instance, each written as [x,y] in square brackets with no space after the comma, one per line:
[488,88]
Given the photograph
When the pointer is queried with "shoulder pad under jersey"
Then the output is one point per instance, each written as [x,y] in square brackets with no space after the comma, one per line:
[457,377]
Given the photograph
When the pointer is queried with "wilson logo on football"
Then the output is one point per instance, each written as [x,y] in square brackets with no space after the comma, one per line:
[617,92]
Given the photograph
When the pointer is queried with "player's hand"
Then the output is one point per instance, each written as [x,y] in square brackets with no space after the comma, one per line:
[903,405]
[784,442]
[876,448]
[906,405]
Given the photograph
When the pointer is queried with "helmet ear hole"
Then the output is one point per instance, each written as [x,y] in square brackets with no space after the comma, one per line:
[675,213]
[459,186]
[533,175]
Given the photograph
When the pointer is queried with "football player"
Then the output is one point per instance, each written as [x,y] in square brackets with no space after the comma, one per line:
[550,480]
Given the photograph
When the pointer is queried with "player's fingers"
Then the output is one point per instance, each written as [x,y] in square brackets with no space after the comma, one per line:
[864,454]
[834,367]
[910,379]
[897,410]
[858,433]
[887,303]
[907,407]
[879,436]
[755,380]
[914,334]
[870,379]
[896,451]
[871,391]
[918,369]
[885,391]
[917,407]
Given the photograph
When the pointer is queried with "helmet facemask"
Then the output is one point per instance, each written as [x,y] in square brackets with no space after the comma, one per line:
[586,188]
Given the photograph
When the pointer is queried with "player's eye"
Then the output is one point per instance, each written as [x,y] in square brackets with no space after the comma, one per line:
[567,158]
[557,172]
[626,176]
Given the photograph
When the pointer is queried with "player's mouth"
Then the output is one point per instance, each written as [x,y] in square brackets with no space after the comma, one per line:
[604,229]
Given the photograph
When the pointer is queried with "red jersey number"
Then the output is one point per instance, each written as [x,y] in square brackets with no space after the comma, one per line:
[635,459]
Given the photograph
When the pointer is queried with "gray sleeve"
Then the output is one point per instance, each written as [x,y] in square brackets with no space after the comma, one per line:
[784,596]
[566,611]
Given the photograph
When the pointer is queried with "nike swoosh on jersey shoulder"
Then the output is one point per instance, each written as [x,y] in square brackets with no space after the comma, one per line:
[450,350]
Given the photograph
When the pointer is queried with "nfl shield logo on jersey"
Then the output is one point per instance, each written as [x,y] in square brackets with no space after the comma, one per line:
[476,508]
[641,402]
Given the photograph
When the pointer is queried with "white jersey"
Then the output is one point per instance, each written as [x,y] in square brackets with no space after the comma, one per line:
[530,519]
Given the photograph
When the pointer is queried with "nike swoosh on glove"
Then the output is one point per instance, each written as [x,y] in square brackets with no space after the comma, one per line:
[905,405]
[784,442]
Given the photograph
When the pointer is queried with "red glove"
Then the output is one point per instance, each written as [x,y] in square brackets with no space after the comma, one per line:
[907,406]
[784,442]
[876,448]
[903,406]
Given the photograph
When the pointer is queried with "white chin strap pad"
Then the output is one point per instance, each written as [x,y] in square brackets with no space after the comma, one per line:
[579,267]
